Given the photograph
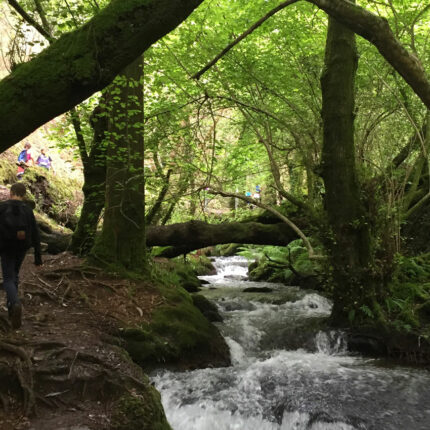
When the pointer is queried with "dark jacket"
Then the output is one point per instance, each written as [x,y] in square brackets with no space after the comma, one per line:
[12,247]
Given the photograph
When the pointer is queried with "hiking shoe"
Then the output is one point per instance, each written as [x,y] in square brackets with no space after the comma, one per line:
[15,314]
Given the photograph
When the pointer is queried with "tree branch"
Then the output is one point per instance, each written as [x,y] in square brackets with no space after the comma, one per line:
[76,122]
[242,36]
[378,32]
[15,5]
[42,15]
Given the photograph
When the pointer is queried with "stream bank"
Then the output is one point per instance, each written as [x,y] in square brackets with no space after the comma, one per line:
[70,367]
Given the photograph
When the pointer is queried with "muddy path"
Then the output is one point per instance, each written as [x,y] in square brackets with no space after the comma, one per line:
[65,367]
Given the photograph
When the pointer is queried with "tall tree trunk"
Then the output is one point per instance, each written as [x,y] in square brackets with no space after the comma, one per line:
[94,169]
[349,245]
[122,241]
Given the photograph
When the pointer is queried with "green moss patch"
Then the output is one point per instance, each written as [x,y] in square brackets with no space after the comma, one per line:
[178,335]
[141,411]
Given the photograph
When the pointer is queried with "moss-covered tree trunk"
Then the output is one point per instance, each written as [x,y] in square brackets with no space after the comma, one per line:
[82,62]
[122,241]
[349,244]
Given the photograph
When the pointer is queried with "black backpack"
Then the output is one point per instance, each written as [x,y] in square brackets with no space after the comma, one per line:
[15,229]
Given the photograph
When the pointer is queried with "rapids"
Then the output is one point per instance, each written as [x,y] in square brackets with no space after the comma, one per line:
[288,371]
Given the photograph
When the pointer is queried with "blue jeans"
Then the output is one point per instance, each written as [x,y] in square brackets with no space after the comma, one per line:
[10,265]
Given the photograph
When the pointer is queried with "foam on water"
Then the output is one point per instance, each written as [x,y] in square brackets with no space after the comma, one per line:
[228,268]
[271,388]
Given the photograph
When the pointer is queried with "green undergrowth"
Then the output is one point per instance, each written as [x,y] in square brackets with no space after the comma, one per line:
[8,169]
[178,334]
[289,265]
[227,250]
[407,305]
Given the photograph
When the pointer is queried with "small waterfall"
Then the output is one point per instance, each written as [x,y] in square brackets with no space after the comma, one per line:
[230,268]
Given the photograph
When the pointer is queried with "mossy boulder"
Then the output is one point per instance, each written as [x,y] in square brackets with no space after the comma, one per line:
[207,308]
[202,265]
[58,197]
[178,336]
[380,340]
[188,280]
[139,411]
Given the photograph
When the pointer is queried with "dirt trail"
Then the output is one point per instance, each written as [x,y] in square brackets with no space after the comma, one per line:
[64,368]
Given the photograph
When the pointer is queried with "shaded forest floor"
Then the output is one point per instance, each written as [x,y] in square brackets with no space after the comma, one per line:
[65,366]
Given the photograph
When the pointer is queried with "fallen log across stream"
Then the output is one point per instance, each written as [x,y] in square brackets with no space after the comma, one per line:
[192,235]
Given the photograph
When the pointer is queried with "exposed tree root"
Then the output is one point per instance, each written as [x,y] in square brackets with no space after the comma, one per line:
[23,374]
[62,376]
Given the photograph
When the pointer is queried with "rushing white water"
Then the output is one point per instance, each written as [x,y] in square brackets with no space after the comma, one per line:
[287,373]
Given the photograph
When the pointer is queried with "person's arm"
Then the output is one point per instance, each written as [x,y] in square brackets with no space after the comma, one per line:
[35,238]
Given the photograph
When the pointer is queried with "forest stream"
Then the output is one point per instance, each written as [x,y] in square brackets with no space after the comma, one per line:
[288,372]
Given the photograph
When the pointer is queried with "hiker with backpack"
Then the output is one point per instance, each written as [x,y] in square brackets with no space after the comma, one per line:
[18,232]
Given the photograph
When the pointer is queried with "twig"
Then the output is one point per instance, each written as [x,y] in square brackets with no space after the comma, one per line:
[50,294]
[71,366]
[61,281]
[65,293]
[45,283]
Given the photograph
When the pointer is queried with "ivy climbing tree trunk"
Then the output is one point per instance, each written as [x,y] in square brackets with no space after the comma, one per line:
[122,241]
[94,170]
[349,244]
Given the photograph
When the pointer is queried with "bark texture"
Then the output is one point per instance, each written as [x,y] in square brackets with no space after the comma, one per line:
[349,244]
[83,62]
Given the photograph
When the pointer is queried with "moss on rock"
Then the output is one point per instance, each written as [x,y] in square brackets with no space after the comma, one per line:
[207,308]
[141,411]
[178,336]
[202,265]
